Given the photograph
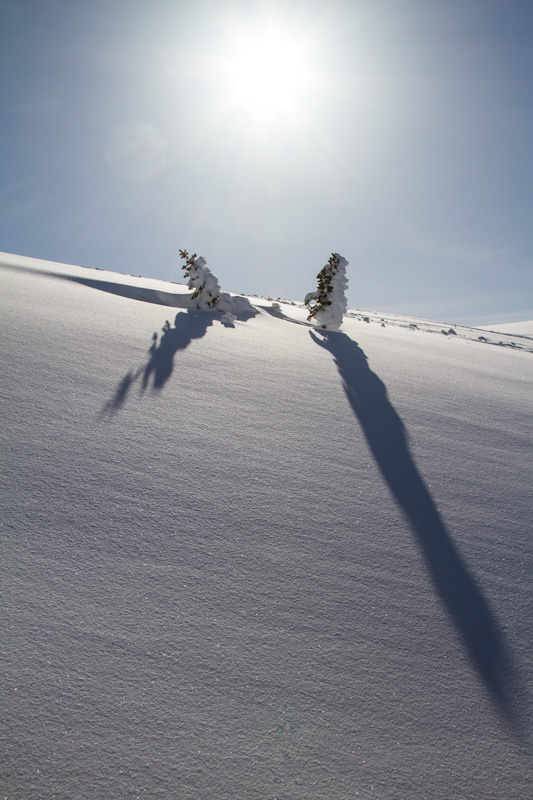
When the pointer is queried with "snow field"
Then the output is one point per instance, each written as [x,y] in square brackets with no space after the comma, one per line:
[210,588]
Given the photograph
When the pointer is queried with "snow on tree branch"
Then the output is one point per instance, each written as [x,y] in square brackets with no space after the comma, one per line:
[206,288]
[328,304]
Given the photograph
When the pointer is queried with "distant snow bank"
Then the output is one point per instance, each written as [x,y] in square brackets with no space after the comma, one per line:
[516,328]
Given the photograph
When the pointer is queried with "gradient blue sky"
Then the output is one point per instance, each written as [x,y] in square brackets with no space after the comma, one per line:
[409,152]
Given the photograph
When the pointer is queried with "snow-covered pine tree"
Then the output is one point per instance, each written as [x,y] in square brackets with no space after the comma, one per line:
[206,289]
[328,304]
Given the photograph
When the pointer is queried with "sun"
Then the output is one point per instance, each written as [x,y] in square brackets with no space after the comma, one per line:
[265,73]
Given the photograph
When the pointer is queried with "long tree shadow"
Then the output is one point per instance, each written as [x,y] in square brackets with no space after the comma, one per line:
[141,293]
[188,325]
[454,584]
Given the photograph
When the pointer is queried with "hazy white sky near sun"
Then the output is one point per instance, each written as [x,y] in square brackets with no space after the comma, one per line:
[265,135]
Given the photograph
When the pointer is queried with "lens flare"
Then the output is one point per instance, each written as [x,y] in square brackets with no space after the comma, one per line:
[136,151]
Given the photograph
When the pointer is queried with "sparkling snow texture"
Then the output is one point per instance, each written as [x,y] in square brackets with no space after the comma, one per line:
[259,560]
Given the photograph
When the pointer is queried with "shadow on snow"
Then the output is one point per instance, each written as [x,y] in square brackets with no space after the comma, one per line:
[453,582]
[134,292]
[140,293]
[188,325]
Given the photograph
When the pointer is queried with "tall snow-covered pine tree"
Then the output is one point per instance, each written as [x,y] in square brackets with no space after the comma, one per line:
[328,304]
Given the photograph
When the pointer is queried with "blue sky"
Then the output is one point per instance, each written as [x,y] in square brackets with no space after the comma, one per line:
[130,130]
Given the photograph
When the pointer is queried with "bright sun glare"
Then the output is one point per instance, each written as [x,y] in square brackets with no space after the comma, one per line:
[265,73]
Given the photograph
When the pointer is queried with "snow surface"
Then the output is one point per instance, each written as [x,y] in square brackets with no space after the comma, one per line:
[519,328]
[260,561]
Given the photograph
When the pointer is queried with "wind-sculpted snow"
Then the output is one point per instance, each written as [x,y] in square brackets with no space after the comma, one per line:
[245,559]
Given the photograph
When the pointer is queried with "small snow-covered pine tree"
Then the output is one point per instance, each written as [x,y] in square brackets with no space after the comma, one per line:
[206,289]
[328,304]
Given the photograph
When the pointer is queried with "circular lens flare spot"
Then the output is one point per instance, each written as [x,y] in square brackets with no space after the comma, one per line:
[136,151]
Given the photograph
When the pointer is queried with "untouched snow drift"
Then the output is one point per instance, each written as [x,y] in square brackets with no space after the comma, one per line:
[243,558]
